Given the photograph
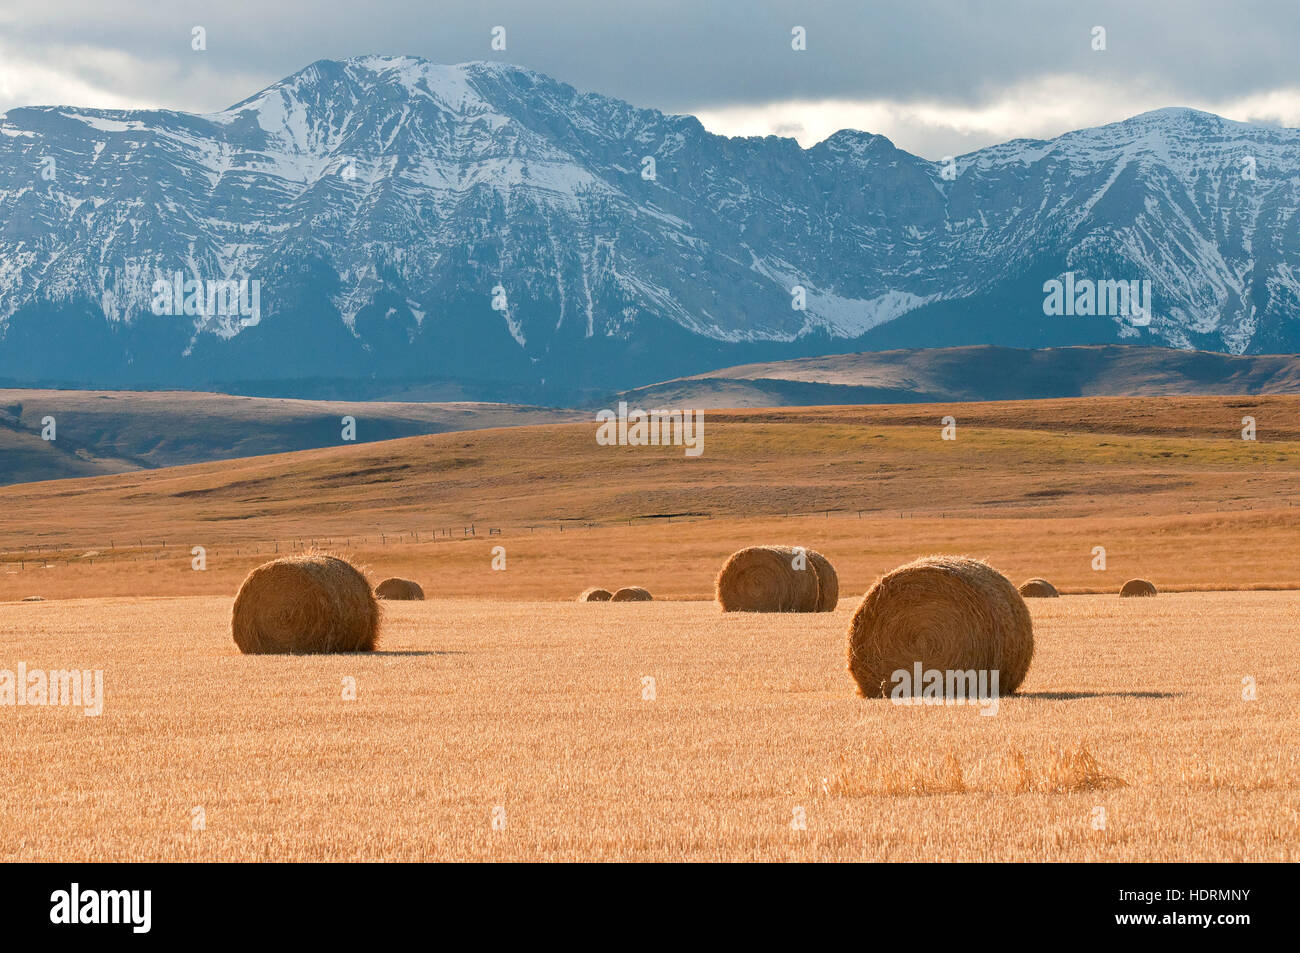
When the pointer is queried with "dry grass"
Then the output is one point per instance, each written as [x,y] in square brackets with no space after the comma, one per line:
[1134,706]
[1166,485]
[1137,588]
[680,560]
[828,582]
[767,579]
[1038,589]
[945,613]
[399,589]
[1056,771]
[886,773]
[631,594]
[313,603]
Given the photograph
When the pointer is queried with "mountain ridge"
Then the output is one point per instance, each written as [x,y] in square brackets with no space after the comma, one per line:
[383,202]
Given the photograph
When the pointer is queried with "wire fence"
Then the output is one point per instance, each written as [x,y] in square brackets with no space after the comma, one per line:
[140,549]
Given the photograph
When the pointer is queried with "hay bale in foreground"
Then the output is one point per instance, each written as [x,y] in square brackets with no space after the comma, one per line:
[596,594]
[310,603]
[631,594]
[1038,589]
[397,588]
[828,582]
[1137,587]
[947,613]
[764,579]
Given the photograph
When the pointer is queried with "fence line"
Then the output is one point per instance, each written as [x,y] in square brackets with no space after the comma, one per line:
[47,555]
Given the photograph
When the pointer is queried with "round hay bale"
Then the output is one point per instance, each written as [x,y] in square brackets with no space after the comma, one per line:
[596,594]
[1038,589]
[828,582]
[763,579]
[947,613]
[631,594]
[396,588]
[1137,587]
[310,603]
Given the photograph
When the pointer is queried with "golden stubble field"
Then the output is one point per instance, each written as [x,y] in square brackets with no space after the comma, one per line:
[1131,740]
[539,710]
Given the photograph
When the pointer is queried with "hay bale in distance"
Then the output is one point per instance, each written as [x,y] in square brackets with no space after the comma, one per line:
[1137,587]
[948,613]
[1038,589]
[828,582]
[595,594]
[308,603]
[763,579]
[396,588]
[631,594]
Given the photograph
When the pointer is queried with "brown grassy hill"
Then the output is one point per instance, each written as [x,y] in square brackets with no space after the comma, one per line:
[1166,484]
[103,432]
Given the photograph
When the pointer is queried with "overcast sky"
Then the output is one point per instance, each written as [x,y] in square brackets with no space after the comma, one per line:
[938,78]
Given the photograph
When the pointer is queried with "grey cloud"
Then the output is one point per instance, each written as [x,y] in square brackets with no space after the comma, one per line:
[683,56]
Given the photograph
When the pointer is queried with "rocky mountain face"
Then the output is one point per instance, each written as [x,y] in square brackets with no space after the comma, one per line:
[384,225]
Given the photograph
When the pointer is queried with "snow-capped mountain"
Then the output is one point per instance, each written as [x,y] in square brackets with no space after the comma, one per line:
[483,224]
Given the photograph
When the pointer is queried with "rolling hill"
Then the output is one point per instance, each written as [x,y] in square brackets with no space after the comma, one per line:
[977,373]
[1166,484]
[99,432]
